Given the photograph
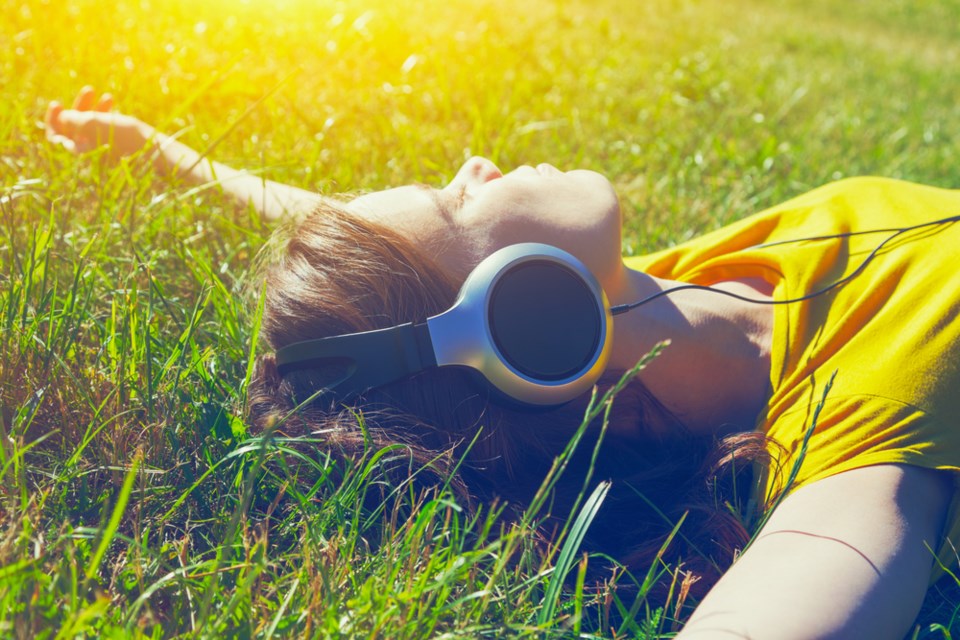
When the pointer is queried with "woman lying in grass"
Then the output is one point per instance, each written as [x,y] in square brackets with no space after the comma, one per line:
[825,350]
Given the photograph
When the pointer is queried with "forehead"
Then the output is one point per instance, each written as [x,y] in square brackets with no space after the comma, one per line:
[389,203]
[415,211]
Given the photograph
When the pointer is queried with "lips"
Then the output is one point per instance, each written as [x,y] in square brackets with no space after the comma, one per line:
[547,169]
[543,169]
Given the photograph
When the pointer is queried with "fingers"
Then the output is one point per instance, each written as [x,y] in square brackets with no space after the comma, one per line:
[65,142]
[91,123]
[51,119]
[59,129]
[66,122]
[78,129]
[54,129]
[84,100]
[105,103]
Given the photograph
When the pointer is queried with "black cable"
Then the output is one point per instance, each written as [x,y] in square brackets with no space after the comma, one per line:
[894,231]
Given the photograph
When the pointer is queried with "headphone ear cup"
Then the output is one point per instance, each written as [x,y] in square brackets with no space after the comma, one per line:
[544,320]
[533,320]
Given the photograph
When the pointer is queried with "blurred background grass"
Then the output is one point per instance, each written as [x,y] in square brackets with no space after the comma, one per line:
[126,338]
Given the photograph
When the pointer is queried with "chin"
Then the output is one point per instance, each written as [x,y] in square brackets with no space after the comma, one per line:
[599,187]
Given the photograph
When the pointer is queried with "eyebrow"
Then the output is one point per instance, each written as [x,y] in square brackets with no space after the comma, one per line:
[442,206]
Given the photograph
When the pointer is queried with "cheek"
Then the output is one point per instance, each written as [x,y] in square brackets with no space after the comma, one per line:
[501,219]
[598,196]
[457,249]
[579,213]
[456,260]
[587,227]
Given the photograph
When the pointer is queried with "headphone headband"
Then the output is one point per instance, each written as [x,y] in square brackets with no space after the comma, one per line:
[367,359]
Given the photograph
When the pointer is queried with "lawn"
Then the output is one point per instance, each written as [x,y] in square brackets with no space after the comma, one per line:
[133,499]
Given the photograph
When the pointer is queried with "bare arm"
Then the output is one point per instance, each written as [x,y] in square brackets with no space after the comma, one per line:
[90,124]
[846,557]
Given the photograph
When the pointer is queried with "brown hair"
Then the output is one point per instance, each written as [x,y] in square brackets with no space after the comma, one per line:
[341,274]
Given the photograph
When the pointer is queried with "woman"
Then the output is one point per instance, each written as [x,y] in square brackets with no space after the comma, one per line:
[864,348]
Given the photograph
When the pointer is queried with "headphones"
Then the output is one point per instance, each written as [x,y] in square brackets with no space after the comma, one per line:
[530,318]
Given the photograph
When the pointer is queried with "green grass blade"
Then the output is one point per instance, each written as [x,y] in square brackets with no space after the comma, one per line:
[569,552]
[113,524]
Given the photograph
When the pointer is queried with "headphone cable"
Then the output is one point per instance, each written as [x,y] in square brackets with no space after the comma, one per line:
[894,231]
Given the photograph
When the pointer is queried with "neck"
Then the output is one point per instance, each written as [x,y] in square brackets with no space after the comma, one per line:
[714,374]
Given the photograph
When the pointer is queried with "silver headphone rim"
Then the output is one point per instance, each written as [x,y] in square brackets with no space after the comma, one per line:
[462,336]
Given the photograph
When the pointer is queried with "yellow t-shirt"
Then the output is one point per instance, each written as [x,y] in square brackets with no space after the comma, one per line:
[891,334]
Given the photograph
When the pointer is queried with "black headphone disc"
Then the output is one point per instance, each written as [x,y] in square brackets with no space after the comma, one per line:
[545,320]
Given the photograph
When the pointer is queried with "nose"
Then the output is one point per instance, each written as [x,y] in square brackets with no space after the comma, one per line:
[476,171]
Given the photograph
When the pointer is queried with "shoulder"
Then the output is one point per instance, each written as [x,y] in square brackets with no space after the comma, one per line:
[848,556]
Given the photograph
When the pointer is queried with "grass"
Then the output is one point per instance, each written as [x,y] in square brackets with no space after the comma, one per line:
[133,500]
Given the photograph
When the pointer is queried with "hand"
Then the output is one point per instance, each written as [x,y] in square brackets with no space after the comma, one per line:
[92,123]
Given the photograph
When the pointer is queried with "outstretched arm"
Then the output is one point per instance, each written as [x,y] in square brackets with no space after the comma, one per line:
[92,123]
[845,557]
